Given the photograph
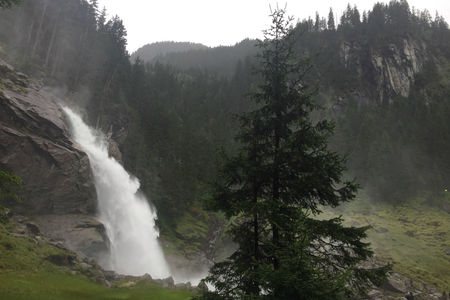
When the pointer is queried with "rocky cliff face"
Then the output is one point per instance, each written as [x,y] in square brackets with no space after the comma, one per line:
[390,69]
[35,144]
[57,181]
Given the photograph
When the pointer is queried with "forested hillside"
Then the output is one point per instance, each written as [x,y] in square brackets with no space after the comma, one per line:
[148,52]
[384,75]
[219,60]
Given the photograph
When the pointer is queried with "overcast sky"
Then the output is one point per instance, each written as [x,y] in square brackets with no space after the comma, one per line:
[224,22]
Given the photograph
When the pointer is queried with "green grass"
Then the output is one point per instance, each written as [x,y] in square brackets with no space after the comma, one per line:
[43,285]
[413,236]
[26,274]
[191,232]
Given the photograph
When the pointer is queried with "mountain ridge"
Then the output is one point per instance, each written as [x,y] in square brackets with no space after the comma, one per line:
[149,51]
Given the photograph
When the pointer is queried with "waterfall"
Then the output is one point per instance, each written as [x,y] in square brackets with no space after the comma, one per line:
[125,212]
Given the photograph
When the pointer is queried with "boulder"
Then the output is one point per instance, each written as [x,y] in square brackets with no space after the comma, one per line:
[82,234]
[114,151]
[33,228]
[166,283]
[62,259]
[396,283]
[147,277]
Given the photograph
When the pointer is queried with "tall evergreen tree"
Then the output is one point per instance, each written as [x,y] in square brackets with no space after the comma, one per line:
[274,190]
[330,23]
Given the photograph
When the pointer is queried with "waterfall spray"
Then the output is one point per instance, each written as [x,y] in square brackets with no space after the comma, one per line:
[125,212]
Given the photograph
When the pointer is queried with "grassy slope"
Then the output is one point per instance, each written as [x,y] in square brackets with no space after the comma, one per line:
[191,233]
[25,274]
[414,237]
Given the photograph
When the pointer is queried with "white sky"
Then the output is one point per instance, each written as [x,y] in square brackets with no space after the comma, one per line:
[224,22]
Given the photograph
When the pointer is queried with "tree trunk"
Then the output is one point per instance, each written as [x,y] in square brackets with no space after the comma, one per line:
[255,288]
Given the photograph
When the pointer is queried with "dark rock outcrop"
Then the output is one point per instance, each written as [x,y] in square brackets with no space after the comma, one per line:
[83,234]
[390,70]
[58,187]
[62,260]
[35,144]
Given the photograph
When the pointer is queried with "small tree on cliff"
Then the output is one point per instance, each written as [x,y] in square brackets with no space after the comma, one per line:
[9,184]
[274,188]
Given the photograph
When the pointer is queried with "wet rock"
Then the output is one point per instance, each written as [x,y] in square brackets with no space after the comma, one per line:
[396,284]
[114,151]
[393,67]
[85,266]
[62,260]
[101,280]
[35,144]
[110,275]
[147,277]
[166,283]
[33,228]
[107,283]
[84,235]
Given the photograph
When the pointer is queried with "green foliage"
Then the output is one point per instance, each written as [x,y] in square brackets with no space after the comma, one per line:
[273,188]
[8,3]
[9,184]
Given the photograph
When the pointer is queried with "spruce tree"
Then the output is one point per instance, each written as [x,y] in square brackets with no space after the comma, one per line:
[330,23]
[274,188]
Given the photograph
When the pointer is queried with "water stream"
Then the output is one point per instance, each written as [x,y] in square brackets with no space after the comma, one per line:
[125,212]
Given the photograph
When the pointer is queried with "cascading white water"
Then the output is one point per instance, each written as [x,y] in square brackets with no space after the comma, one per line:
[128,218]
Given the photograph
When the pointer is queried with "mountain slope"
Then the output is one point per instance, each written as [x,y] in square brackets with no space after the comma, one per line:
[148,52]
[221,60]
